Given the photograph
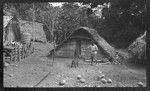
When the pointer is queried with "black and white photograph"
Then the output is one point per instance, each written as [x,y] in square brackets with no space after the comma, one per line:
[75,44]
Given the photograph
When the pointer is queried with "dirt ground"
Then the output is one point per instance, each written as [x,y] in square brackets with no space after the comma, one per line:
[30,71]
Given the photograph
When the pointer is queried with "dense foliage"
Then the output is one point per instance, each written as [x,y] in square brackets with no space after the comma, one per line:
[124,20]
[120,22]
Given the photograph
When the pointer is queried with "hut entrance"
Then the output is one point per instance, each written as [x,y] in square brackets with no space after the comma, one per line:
[67,50]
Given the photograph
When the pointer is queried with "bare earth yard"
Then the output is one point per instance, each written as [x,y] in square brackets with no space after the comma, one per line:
[28,72]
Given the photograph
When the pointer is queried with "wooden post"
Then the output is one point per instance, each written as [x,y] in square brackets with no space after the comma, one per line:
[4,57]
[74,61]
[12,54]
[77,52]
[19,53]
[33,33]
[22,52]
[53,36]
[53,41]
[16,53]
[79,46]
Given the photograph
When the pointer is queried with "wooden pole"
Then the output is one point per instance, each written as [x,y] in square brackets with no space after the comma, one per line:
[53,23]
[53,41]
[33,27]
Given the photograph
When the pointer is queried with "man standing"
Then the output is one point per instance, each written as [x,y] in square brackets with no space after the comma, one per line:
[76,55]
[93,51]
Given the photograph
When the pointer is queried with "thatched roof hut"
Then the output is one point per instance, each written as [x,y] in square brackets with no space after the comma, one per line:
[88,35]
[13,28]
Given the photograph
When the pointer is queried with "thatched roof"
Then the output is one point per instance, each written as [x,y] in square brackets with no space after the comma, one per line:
[138,47]
[26,26]
[110,51]
[11,29]
[35,29]
[101,42]
[6,20]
